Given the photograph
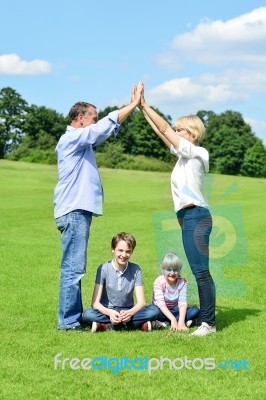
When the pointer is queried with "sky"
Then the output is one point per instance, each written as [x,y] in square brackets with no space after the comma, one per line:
[191,55]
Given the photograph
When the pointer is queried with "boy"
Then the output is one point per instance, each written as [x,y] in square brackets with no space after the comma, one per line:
[113,297]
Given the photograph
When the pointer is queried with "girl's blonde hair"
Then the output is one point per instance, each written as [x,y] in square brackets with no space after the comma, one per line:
[192,124]
[171,261]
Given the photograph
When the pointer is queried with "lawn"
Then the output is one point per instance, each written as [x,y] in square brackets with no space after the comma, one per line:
[153,365]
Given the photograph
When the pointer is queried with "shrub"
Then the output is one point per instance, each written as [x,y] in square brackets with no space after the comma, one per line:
[140,163]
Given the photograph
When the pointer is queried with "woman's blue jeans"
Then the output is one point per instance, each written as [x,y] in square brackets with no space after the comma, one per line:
[75,229]
[148,313]
[196,225]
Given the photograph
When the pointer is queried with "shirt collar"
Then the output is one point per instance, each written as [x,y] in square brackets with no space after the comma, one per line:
[118,270]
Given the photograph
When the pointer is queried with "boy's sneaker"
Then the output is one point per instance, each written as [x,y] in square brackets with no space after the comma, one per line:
[189,323]
[98,327]
[203,330]
[146,326]
[158,325]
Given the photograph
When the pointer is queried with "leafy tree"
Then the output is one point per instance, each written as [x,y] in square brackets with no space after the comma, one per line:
[30,133]
[227,139]
[42,129]
[137,137]
[146,142]
[12,117]
[124,137]
[255,161]
[41,122]
[114,155]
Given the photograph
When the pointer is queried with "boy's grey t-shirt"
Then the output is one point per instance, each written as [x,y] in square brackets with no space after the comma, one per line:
[118,287]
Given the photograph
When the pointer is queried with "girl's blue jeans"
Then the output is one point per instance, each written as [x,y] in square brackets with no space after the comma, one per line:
[75,229]
[196,225]
[192,313]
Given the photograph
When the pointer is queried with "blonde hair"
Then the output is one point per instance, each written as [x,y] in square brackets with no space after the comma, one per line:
[171,261]
[192,124]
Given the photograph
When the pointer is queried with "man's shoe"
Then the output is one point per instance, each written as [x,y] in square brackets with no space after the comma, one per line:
[203,330]
[189,323]
[158,325]
[98,327]
[146,326]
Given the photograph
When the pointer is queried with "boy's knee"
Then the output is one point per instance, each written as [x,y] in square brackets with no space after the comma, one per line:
[88,315]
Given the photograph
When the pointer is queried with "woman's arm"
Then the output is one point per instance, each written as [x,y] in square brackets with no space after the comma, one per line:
[162,128]
[156,130]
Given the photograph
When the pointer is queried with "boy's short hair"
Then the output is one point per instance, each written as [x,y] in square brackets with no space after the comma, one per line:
[126,237]
[171,261]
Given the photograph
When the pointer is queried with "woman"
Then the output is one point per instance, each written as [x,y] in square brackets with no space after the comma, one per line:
[190,203]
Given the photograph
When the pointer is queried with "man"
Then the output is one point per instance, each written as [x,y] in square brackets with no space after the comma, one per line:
[78,196]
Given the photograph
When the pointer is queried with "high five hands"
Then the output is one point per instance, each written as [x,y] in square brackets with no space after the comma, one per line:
[137,95]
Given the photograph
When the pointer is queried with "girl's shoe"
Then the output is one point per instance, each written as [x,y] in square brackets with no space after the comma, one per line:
[158,325]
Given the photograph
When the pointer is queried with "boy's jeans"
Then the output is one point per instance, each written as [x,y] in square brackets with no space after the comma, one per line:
[75,229]
[148,313]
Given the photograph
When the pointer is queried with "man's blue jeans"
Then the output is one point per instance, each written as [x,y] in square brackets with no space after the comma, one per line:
[148,313]
[75,229]
[196,225]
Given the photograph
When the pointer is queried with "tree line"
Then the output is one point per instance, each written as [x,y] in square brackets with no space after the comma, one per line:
[30,133]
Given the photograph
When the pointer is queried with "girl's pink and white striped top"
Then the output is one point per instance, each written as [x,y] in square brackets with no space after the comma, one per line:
[171,297]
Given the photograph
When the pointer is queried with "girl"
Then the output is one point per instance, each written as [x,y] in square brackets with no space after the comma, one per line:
[170,296]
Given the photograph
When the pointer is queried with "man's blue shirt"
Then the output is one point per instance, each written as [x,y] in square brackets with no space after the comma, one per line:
[79,185]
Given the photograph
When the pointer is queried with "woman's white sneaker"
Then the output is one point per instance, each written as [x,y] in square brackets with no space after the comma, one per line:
[204,329]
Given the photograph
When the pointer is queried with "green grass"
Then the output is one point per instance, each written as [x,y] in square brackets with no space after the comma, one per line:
[30,255]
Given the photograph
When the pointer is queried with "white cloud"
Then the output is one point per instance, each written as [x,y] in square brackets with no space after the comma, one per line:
[11,64]
[205,91]
[238,45]
[211,91]
[186,96]
[241,39]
